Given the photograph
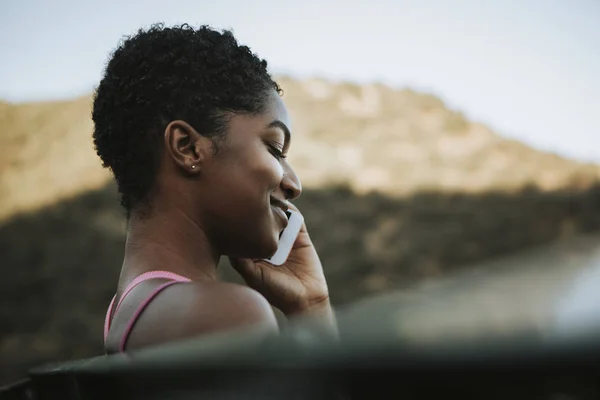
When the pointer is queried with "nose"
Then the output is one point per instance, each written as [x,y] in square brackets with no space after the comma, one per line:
[290,184]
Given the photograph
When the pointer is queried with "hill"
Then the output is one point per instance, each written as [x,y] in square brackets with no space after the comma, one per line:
[398,189]
[371,138]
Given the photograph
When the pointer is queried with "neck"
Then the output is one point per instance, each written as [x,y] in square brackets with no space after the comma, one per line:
[168,239]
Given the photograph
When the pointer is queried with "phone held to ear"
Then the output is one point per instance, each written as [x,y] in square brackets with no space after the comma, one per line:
[287,238]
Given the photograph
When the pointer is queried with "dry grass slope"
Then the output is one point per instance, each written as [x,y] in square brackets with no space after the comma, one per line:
[370,137]
[46,154]
[401,142]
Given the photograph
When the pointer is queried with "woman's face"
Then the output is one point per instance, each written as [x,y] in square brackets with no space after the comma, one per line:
[243,185]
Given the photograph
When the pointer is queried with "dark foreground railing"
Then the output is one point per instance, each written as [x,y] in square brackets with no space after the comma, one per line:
[370,361]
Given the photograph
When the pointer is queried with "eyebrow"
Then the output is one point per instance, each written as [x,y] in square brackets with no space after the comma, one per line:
[286,132]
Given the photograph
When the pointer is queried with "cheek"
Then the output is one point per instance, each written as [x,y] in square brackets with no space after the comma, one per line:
[278,171]
[265,172]
[253,173]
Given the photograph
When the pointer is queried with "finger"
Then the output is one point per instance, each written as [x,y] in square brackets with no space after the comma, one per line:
[252,272]
[243,266]
[247,270]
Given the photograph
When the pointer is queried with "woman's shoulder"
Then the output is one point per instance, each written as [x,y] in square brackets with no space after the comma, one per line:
[231,303]
[196,308]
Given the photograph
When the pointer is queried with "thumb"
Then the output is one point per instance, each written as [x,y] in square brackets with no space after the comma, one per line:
[242,265]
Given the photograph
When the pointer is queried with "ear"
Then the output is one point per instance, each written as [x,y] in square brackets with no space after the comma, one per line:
[186,147]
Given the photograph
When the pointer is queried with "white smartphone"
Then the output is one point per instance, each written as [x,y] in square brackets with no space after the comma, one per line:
[287,238]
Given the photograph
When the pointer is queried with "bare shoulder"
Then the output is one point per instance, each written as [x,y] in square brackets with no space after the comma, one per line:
[230,304]
[194,309]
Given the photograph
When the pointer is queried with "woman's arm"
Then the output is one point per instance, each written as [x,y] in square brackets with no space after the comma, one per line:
[320,315]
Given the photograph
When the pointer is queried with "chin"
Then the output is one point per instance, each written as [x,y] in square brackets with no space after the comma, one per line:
[271,247]
[258,243]
[265,247]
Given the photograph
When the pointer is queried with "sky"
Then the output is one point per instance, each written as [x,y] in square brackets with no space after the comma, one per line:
[529,69]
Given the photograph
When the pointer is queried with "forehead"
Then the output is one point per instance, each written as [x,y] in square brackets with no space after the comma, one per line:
[276,110]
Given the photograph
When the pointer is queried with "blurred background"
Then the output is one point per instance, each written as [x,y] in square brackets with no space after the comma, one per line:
[448,150]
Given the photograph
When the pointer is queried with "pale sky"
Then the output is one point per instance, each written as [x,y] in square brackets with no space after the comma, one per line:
[530,69]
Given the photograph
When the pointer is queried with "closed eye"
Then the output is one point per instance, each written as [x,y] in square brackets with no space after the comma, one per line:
[274,149]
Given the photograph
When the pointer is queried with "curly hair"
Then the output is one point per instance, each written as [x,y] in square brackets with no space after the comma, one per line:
[166,73]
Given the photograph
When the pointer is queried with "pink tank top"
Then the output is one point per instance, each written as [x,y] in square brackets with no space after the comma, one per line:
[172,279]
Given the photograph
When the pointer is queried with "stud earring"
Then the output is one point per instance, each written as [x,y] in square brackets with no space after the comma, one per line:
[193,166]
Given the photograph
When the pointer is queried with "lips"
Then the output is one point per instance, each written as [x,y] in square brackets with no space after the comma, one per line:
[280,207]
[282,216]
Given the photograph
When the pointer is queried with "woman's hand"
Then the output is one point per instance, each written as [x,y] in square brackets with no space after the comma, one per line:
[295,287]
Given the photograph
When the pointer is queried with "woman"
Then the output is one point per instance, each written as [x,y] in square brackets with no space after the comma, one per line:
[194,130]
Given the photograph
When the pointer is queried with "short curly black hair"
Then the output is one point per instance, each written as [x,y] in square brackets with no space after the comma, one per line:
[161,74]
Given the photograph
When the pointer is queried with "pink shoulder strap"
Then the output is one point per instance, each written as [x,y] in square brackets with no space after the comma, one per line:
[172,277]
